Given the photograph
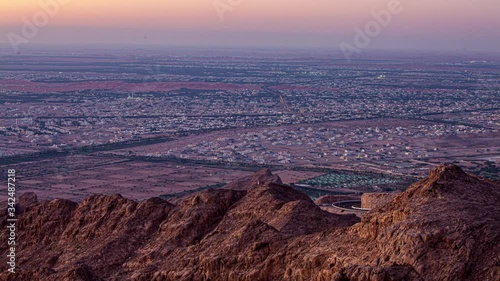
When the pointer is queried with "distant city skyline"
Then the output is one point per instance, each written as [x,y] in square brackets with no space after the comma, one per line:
[422,25]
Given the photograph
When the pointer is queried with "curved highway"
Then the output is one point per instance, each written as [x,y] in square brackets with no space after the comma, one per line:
[350,205]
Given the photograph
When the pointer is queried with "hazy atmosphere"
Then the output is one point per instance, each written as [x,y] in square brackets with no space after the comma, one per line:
[233,140]
[458,25]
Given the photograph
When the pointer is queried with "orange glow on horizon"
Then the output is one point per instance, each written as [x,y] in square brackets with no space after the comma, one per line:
[459,18]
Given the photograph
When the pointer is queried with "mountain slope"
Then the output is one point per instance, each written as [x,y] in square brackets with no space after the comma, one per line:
[444,227]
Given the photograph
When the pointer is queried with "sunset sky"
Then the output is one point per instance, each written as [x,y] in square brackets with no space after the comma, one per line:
[423,24]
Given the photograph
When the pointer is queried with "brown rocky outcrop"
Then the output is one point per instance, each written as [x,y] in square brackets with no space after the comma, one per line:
[375,200]
[262,177]
[444,227]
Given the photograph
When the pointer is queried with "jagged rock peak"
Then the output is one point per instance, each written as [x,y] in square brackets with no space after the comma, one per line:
[444,227]
[261,177]
[447,172]
[446,180]
[266,176]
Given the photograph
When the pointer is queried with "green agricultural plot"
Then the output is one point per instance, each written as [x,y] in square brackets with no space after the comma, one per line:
[346,180]
[317,193]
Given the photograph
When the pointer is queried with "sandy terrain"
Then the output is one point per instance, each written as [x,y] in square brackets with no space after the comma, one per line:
[290,177]
[136,180]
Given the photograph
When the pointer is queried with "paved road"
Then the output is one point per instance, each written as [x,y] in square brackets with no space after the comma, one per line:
[351,205]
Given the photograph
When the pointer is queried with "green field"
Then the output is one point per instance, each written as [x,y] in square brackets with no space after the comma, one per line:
[317,193]
[347,180]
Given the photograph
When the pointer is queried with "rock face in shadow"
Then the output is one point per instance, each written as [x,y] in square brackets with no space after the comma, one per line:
[444,227]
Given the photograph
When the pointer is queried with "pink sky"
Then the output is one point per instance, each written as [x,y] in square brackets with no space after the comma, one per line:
[440,24]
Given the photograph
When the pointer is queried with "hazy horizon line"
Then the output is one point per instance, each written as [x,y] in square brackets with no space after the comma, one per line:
[165,46]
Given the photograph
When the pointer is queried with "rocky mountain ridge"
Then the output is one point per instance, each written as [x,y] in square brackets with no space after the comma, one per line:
[444,227]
